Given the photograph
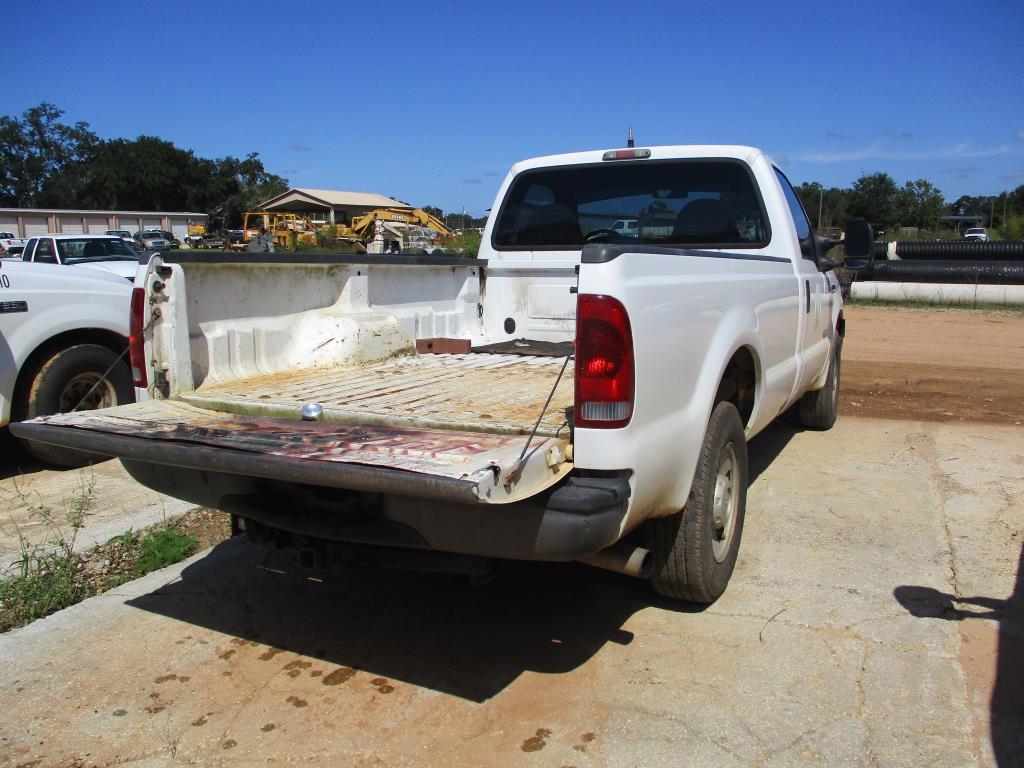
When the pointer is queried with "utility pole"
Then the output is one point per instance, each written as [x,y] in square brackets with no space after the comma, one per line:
[821,198]
[992,213]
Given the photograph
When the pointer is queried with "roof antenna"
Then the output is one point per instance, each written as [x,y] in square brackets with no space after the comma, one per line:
[629,141]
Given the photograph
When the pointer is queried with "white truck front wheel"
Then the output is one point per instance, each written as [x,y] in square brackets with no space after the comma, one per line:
[83,377]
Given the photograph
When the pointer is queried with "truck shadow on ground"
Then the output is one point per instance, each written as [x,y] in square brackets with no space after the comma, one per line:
[1007,702]
[430,630]
[16,460]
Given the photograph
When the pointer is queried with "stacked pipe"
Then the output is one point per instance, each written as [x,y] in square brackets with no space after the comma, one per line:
[945,272]
[973,250]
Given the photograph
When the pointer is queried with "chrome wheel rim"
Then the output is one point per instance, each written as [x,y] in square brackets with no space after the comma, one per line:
[725,505]
[87,392]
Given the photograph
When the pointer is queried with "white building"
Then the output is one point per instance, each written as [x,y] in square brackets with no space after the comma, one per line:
[29,222]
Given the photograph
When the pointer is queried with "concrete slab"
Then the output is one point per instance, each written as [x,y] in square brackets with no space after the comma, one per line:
[113,502]
[834,644]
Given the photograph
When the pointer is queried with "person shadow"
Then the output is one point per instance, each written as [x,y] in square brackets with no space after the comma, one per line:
[1007,702]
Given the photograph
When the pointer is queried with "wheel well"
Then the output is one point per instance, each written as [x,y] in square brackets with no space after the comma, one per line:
[113,341]
[738,383]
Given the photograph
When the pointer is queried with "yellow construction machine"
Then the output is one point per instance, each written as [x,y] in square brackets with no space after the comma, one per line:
[281,226]
[393,229]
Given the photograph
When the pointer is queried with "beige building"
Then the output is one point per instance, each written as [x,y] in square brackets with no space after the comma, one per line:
[30,222]
[329,206]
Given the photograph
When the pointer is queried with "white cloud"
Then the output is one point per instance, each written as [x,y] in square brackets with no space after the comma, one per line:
[878,152]
[1020,135]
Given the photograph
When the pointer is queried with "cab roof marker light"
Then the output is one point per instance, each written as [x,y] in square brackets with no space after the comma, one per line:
[626,154]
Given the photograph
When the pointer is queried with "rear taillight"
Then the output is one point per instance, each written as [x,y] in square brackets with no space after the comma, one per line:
[604,363]
[136,342]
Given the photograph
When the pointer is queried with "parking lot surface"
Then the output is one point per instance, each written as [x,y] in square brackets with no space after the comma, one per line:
[875,618]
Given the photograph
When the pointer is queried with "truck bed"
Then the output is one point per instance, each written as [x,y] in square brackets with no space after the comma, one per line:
[488,393]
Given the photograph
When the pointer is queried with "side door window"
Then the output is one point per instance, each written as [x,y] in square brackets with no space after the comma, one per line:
[30,246]
[45,252]
[803,224]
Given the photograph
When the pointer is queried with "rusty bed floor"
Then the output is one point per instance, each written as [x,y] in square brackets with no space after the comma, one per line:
[500,394]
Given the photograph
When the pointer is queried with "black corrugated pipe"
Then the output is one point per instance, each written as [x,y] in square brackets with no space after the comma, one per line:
[947,271]
[972,250]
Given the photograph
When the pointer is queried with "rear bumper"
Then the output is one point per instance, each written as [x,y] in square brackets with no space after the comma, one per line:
[366,504]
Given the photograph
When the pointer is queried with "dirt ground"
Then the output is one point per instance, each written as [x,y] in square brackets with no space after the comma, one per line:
[936,365]
[876,618]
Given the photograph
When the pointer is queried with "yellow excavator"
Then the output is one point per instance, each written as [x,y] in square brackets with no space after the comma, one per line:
[385,230]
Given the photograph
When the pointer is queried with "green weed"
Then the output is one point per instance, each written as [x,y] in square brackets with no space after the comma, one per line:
[158,549]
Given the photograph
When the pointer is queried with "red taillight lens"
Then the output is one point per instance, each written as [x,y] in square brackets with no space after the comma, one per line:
[604,363]
[136,342]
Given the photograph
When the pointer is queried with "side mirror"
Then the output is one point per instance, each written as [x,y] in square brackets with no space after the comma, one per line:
[858,242]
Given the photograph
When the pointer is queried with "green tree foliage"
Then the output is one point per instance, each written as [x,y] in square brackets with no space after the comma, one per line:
[44,163]
[34,149]
[919,204]
[874,198]
[833,202]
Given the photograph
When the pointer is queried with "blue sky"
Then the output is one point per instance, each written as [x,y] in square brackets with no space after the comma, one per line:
[431,102]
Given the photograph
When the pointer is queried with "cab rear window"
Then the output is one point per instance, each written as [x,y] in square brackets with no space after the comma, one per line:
[706,203]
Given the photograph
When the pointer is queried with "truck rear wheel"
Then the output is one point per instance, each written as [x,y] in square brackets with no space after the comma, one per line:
[819,409]
[83,377]
[695,549]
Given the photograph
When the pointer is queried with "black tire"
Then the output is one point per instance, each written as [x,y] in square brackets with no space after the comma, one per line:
[694,554]
[820,409]
[63,381]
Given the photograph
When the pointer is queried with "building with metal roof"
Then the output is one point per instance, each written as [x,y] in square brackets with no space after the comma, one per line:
[29,222]
[331,206]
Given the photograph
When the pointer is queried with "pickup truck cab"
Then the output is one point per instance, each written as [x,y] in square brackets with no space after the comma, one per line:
[63,338]
[97,252]
[571,394]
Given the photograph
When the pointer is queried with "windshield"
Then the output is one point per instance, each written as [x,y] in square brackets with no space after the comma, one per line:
[975,231]
[76,251]
[671,203]
[7,236]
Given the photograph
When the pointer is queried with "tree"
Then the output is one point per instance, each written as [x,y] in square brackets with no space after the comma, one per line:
[37,148]
[874,199]
[919,204]
[833,202]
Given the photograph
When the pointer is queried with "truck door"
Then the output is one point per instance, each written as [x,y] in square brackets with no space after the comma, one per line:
[814,338]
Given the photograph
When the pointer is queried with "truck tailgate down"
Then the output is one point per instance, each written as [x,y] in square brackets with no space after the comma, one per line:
[457,465]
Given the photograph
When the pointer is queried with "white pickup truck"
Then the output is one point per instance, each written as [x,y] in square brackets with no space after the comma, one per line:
[63,336]
[10,245]
[423,411]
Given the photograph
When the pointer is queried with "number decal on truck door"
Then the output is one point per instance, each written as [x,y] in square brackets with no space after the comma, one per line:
[5,281]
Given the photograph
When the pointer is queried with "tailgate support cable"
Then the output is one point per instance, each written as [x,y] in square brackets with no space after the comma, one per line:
[513,474]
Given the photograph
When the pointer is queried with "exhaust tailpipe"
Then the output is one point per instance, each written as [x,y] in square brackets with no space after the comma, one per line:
[623,558]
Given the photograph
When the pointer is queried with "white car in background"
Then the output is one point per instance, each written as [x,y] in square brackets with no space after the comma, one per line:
[100,252]
[63,346]
[978,234]
[10,245]
[626,228]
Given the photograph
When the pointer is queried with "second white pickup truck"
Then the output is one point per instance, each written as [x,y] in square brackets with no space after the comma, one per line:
[572,394]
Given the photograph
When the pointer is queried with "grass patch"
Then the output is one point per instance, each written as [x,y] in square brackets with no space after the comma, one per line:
[50,576]
[158,549]
[979,306]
